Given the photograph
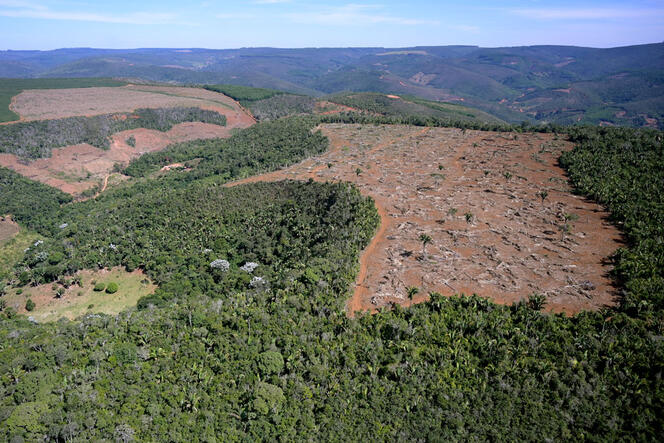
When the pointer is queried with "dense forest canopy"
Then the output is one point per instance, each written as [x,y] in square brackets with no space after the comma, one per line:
[247,339]
[262,147]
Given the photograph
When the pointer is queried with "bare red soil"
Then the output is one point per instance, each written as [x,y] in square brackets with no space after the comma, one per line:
[492,234]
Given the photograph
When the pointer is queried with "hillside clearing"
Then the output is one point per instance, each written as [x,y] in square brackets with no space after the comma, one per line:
[80,168]
[477,194]
[79,300]
[11,87]
[43,104]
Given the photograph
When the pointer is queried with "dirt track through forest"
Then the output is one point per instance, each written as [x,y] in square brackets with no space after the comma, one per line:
[477,195]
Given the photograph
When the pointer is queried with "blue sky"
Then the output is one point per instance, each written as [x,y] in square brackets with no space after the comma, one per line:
[49,24]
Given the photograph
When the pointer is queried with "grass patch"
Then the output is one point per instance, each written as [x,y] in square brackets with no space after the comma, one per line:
[80,300]
[12,250]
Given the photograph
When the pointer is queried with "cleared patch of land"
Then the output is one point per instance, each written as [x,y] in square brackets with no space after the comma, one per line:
[43,104]
[11,87]
[75,169]
[80,300]
[502,220]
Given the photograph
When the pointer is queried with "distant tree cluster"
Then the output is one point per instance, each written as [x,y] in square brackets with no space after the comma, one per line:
[244,94]
[28,201]
[407,106]
[36,139]
[435,122]
[283,105]
[262,147]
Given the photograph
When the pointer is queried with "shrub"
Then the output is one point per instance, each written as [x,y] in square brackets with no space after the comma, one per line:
[268,397]
[29,305]
[112,288]
[270,362]
[99,287]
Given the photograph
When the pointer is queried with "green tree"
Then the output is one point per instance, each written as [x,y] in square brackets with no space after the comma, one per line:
[543,194]
[425,239]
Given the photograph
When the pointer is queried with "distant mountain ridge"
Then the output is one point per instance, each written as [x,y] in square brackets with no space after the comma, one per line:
[558,84]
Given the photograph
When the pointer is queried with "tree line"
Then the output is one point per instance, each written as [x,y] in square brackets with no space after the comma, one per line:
[36,139]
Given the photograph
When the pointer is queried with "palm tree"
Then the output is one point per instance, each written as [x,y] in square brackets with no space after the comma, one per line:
[411,291]
[543,195]
[425,239]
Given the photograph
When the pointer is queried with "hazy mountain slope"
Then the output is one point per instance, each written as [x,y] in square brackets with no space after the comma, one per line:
[611,86]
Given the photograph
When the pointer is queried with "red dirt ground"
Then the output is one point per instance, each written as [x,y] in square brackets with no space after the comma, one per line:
[510,245]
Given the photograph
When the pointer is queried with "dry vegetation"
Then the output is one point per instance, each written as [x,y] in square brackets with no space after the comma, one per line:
[502,220]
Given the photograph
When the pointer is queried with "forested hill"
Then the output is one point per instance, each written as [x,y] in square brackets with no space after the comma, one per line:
[558,84]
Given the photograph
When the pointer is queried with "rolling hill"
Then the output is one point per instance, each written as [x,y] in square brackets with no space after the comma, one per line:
[557,84]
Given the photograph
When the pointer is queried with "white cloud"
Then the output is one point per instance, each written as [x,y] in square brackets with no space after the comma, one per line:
[586,14]
[353,15]
[21,9]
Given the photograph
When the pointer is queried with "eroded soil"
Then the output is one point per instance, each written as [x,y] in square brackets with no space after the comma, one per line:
[498,209]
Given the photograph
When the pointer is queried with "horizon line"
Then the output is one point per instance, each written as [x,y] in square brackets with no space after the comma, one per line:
[322,47]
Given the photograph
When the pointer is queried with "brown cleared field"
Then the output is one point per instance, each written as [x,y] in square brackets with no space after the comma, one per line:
[44,104]
[492,234]
[74,169]
[80,300]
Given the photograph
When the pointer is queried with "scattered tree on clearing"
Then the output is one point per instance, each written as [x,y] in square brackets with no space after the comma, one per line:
[425,239]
